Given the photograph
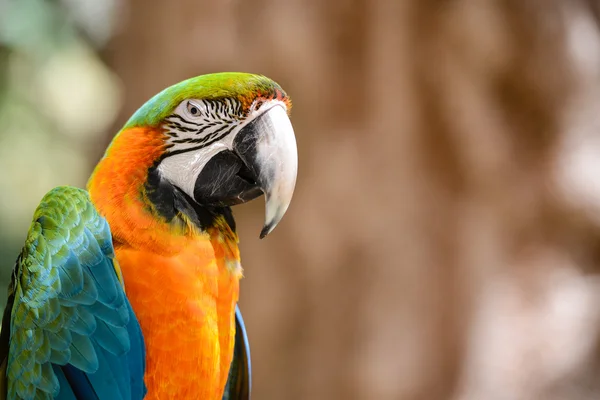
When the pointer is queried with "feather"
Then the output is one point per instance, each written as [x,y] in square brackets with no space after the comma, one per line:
[73,334]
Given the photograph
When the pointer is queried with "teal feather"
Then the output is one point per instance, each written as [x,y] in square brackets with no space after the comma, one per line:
[110,315]
[103,384]
[65,391]
[71,276]
[60,341]
[83,355]
[48,381]
[85,324]
[60,357]
[112,338]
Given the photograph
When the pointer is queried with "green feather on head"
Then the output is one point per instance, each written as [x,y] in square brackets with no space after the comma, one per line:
[243,86]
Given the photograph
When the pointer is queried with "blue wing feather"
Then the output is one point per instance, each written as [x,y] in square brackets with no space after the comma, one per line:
[72,332]
[239,381]
[65,391]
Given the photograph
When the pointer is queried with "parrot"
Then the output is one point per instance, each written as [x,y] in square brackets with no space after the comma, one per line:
[129,289]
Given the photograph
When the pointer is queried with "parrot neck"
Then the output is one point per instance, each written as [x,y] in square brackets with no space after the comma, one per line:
[144,210]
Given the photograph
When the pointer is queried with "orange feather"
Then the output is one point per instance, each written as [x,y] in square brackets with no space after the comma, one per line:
[182,283]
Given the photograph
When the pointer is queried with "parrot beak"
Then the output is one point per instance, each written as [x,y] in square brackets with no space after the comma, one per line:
[267,147]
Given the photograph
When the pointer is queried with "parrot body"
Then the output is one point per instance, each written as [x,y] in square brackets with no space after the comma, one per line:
[130,290]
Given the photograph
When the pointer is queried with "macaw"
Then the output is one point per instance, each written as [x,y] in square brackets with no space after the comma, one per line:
[129,290]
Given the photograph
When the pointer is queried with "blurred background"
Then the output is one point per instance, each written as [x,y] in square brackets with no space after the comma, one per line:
[444,238]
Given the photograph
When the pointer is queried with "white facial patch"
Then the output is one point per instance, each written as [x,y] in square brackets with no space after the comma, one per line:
[198,130]
[183,169]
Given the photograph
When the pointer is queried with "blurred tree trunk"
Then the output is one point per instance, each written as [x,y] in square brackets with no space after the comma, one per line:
[442,241]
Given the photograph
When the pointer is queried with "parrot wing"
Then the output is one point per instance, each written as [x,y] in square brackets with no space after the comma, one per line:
[68,330]
[239,381]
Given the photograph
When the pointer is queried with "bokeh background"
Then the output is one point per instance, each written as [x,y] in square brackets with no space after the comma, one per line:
[444,238]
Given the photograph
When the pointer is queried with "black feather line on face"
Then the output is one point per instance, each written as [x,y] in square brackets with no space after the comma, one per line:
[195,132]
[180,127]
[213,140]
[179,117]
[171,133]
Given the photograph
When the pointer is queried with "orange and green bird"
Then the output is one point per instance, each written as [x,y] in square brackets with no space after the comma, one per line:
[129,290]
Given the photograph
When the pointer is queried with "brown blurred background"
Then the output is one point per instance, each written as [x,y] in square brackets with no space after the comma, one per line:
[444,238]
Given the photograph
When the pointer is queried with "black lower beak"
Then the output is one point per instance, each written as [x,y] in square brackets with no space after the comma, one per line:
[225,181]
[263,159]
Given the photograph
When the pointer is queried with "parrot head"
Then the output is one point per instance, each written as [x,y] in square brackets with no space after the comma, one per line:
[227,139]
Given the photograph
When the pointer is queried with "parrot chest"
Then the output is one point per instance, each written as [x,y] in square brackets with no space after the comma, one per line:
[185,304]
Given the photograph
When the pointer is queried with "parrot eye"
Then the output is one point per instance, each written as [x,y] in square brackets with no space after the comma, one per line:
[193,109]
